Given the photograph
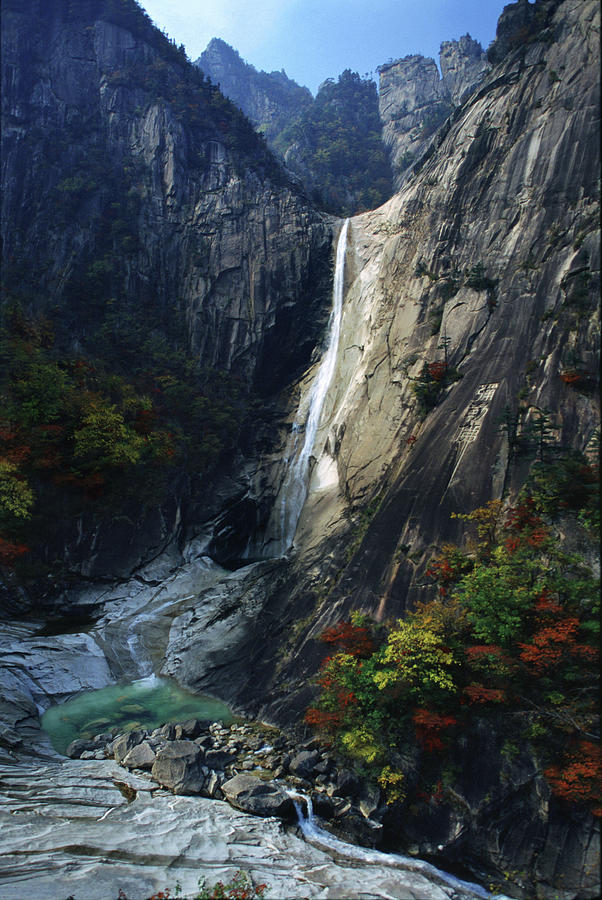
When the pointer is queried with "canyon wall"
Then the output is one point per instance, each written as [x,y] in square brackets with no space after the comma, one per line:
[485,265]
[133,190]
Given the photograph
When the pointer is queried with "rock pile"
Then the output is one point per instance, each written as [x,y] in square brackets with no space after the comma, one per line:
[255,768]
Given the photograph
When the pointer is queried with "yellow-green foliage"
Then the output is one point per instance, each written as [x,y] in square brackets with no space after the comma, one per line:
[416,658]
[513,634]
[392,783]
[16,496]
[105,440]
[362,744]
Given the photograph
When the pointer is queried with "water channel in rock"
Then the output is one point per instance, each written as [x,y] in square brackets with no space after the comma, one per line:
[146,703]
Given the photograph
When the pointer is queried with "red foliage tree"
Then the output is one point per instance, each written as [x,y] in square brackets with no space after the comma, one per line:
[353,639]
[579,778]
[11,551]
[437,370]
[478,693]
[428,726]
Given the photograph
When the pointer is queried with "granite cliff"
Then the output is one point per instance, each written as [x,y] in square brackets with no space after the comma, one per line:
[414,100]
[271,100]
[487,262]
[136,196]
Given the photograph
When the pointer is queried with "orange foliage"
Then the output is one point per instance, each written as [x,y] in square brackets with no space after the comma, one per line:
[477,693]
[571,376]
[579,780]
[555,638]
[322,720]
[428,726]
[437,370]
[352,639]
[447,568]
[10,551]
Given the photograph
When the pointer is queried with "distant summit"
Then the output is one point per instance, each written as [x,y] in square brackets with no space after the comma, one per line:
[271,100]
[331,143]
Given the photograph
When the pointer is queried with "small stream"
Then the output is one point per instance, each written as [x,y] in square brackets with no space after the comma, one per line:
[344,851]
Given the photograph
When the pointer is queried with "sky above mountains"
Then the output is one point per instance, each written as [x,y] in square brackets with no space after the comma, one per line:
[317,39]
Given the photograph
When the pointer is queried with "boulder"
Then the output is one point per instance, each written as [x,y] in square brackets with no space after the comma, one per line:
[177,766]
[123,743]
[369,800]
[346,783]
[213,786]
[189,729]
[350,824]
[218,759]
[260,798]
[168,732]
[323,805]
[142,756]
[304,763]
[79,746]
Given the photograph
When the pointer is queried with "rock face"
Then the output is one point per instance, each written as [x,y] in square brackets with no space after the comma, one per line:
[79,841]
[414,101]
[489,253]
[211,233]
[463,65]
[271,100]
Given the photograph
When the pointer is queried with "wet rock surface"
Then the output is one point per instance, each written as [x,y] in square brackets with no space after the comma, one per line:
[67,828]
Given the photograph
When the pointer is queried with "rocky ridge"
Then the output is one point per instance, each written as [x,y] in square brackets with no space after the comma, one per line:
[271,100]
[414,100]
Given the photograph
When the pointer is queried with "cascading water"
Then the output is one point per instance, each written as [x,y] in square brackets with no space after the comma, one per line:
[295,486]
[316,835]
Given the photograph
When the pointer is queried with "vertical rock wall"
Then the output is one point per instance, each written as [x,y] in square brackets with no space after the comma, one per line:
[414,100]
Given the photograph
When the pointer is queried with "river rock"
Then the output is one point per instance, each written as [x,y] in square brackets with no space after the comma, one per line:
[178,767]
[350,824]
[218,759]
[262,798]
[304,763]
[213,786]
[323,805]
[189,729]
[346,783]
[369,800]
[123,743]
[79,746]
[142,756]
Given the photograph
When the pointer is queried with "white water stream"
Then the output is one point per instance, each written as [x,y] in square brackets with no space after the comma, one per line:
[344,851]
[294,488]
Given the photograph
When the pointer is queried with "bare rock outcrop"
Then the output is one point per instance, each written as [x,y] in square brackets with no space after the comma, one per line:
[414,100]
[271,100]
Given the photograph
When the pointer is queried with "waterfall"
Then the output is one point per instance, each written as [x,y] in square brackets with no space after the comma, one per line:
[295,486]
[317,836]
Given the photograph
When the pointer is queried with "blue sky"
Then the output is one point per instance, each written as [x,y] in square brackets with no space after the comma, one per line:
[316,39]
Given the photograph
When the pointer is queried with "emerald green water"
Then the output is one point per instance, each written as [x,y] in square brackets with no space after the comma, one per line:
[147,703]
